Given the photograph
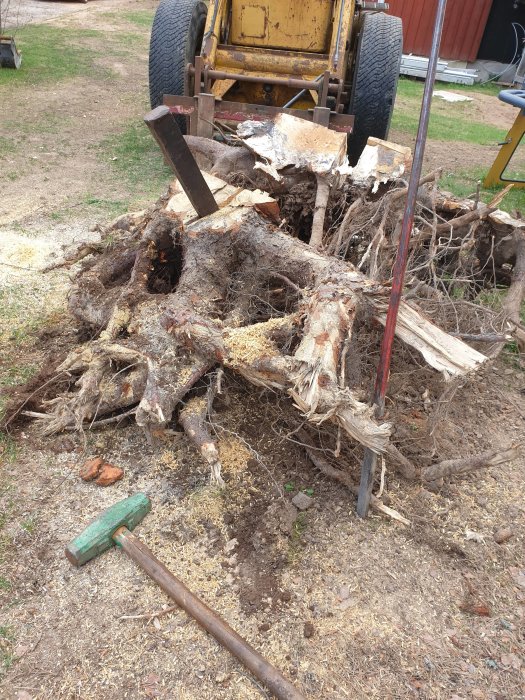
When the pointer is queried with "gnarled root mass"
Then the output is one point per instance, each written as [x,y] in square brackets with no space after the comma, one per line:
[169,299]
[169,302]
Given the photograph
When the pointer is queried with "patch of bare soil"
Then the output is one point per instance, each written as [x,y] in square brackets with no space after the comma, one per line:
[30,11]
[486,109]
[347,608]
[56,160]
[452,156]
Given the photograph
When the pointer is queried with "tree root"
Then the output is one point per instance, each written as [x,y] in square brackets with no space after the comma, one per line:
[169,302]
[193,419]
[452,467]
[167,298]
[511,307]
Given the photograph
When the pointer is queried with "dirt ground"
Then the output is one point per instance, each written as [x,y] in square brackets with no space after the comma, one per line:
[346,608]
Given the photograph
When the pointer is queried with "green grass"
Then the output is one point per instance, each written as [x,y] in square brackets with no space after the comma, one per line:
[51,54]
[8,453]
[447,122]
[7,146]
[17,374]
[5,585]
[141,18]
[295,546]
[463,184]
[6,633]
[29,525]
[447,128]
[409,87]
[111,207]
[7,638]
[137,159]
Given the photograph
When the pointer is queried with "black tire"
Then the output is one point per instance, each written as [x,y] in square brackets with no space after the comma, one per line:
[176,38]
[374,84]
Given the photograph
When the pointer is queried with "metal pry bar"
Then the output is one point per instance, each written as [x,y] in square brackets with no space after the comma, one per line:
[398,273]
[162,124]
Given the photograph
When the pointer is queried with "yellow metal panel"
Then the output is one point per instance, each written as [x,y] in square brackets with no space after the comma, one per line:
[513,140]
[212,29]
[270,61]
[339,43]
[221,87]
[303,25]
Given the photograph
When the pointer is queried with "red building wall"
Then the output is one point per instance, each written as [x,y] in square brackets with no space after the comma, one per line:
[465,22]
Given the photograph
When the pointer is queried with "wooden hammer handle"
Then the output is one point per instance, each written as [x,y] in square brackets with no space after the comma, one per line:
[206,617]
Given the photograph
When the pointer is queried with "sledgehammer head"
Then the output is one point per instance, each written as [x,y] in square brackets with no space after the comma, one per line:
[98,535]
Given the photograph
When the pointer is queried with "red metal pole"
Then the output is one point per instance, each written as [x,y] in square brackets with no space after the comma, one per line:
[398,272]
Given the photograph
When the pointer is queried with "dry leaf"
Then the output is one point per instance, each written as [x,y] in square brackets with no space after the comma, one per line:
[476,609]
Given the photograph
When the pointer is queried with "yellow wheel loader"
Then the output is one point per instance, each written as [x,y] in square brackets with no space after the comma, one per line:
[334,62]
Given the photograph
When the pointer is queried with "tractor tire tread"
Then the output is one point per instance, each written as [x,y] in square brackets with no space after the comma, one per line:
[376,74]
[173,44]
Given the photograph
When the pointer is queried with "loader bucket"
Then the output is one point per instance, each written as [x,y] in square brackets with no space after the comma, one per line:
[10,57]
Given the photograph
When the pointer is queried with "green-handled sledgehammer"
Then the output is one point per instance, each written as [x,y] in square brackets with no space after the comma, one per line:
[113,527]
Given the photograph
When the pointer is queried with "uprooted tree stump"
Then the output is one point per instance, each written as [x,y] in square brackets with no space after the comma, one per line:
[169,299]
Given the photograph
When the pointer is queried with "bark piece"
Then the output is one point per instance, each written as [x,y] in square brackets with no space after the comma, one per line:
[441,350]
[109,474]
[91,468]
[381,162]
[291,141]
[504,534]
[321,202]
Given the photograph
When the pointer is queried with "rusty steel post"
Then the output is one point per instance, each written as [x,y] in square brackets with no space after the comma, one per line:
[164,129]
[398,272]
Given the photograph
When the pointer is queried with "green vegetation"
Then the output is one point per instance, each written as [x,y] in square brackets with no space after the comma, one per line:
[7,146]
[135,156]
[296,546]
[5,542]
[141,18]
[51,54]
[448,128]
[464,184]
[457,123]
[8,453]
[410,87]
[29,525]
[110,207]
[6,641]
[448,122]
[299,526]
[17,374]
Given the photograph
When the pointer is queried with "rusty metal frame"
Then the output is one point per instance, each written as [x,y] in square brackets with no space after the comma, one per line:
[272,61]
[241,111]
[324,86]
[322,75]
